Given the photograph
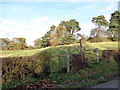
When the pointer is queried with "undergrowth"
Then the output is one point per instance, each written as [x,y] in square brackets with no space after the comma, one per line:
[99,73]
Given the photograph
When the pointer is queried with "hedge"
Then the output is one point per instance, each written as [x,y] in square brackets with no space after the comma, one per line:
[47,61]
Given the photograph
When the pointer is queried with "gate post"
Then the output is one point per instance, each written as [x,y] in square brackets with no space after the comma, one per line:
[68,63]
[97,54]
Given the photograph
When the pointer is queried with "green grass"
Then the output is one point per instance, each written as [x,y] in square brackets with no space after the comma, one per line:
[100,45]
[101,72]
[18,83]
[18,53]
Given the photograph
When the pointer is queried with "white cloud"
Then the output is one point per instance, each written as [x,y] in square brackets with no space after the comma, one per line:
[0,19]
[86,28]
[111,7]
[41,19]
[86,7]
[11,28]
[15,24]
[107,17]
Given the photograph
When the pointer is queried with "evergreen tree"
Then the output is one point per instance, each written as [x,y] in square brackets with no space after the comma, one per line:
[114,25]
[101,24]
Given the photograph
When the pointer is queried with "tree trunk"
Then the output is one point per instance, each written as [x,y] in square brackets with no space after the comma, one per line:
[98,31]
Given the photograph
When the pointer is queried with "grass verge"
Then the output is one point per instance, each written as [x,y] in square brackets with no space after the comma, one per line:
[99,73]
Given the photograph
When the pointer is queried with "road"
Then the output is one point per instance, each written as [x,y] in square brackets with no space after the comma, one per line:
[111,84]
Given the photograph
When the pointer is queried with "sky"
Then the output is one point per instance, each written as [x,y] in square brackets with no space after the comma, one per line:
[32,20]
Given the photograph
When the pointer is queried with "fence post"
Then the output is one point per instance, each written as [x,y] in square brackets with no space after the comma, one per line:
[97,53]
[68,63]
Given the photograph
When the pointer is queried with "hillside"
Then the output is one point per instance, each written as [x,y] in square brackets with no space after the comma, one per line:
[100,45]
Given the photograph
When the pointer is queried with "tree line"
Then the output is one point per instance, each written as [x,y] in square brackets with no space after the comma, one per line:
[67,32]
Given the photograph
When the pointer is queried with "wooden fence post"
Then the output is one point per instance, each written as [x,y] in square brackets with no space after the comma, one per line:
[68,63]
[97,53]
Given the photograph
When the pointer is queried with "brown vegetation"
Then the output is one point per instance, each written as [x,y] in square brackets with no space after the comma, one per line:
[78,61]
[99,39]
[18,68]
[110,55]
[38,85]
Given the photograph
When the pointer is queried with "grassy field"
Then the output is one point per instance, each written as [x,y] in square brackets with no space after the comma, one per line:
[17,53]
[100,45]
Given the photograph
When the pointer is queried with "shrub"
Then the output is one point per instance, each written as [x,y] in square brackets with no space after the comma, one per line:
[98,39]
[19,68]
[109,55]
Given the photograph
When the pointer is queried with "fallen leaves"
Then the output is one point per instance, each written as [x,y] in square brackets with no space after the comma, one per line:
[39,84]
